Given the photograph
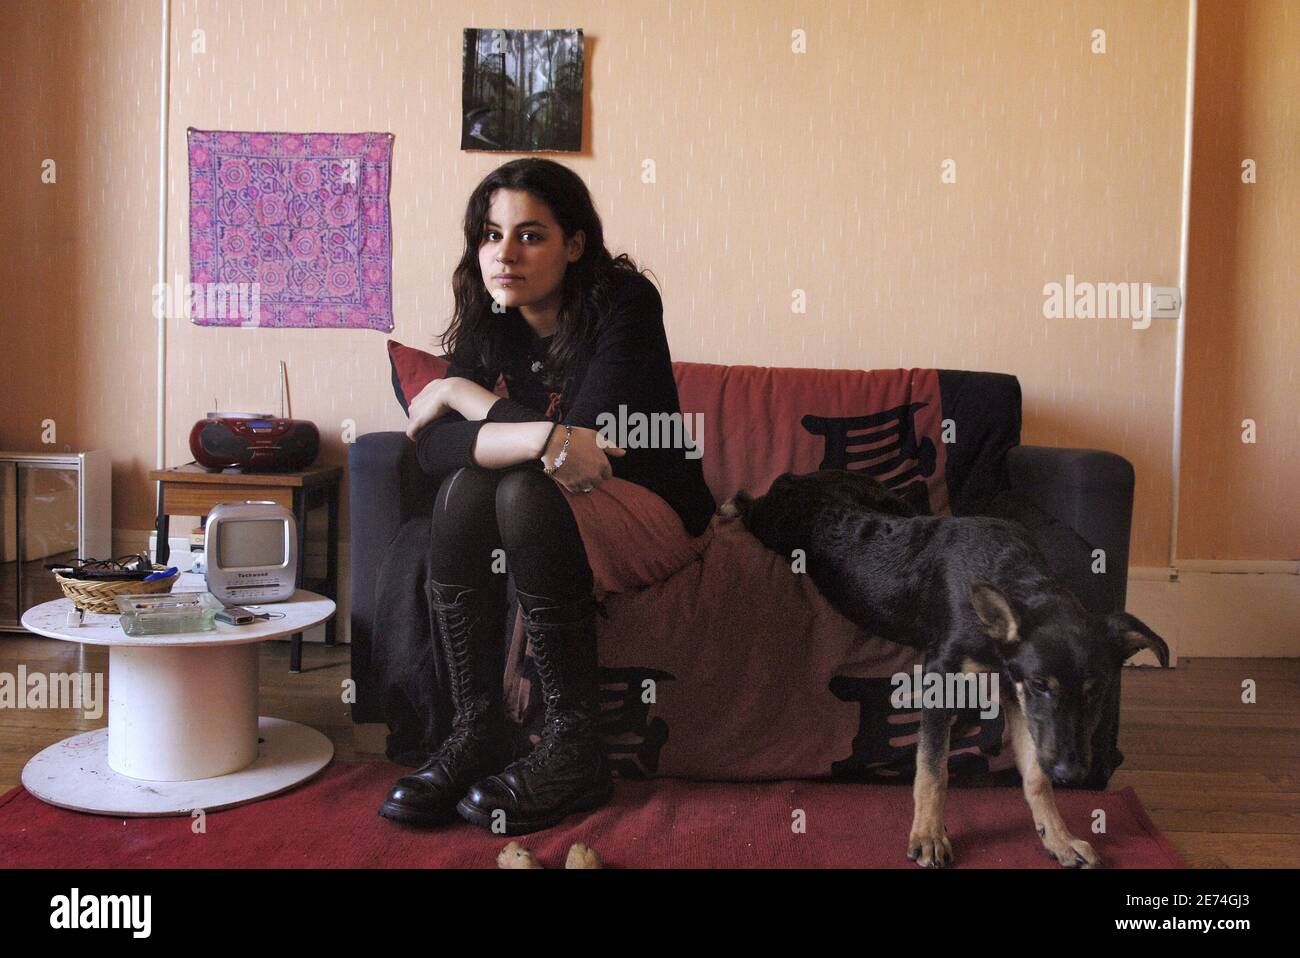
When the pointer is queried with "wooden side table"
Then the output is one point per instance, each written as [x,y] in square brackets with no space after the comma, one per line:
[192,490]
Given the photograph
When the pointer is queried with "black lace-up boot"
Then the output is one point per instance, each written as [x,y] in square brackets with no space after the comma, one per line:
[479,742]
[566,771]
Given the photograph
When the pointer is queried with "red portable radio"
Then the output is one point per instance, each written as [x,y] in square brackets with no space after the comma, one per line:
[257,442]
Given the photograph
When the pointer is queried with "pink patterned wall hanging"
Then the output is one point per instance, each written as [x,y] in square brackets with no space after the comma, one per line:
[290,229]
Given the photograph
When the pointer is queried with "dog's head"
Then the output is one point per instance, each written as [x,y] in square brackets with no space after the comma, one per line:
[782,518]
[1064,664]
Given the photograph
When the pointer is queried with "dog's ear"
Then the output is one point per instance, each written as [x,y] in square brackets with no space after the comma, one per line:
[1130,636]
[1000,621]
[737,507]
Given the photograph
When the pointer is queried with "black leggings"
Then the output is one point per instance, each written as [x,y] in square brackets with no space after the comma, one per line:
[476,511]
[519,510]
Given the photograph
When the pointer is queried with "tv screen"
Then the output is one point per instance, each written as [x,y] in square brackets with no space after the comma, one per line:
[251,542]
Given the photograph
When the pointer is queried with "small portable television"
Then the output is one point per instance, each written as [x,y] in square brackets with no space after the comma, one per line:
[252,552]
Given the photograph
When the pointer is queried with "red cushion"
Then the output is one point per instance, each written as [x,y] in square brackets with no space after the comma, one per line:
[413,369]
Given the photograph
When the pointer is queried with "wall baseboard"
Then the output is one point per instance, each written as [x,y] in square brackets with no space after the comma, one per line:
[1240,566]
[1221,608]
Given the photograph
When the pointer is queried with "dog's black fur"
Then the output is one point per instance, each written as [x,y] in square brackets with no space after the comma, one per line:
[973,594]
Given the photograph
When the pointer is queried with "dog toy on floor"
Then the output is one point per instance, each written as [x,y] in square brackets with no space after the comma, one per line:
[515,855]
[583,856]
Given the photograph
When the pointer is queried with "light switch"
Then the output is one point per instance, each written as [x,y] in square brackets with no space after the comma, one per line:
[1164,302]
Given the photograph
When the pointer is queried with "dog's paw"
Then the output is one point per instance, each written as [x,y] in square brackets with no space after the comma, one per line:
[1071,852]
[929,849]
[515,855]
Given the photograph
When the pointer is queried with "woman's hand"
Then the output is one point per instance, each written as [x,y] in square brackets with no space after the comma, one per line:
[441,396]
[432,401]
[587,464]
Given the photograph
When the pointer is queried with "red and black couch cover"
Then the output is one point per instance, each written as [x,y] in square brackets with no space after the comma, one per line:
[718,660]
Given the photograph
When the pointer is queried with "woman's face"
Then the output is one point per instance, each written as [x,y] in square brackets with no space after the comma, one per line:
[522,238]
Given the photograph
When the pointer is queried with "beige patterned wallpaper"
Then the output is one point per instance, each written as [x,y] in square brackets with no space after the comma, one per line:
[775,171]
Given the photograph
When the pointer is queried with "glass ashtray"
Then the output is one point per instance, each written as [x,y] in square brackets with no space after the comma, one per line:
[168,613]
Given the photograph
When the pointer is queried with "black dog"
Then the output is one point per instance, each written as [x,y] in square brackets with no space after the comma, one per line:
[976,595]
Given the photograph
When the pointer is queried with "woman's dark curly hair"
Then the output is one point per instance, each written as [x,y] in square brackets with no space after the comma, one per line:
[587,283]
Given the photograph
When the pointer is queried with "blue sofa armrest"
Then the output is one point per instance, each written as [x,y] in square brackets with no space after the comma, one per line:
[1091,492]
[387,488]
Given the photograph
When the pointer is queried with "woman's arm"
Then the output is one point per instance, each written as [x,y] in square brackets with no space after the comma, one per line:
[444,439]
[629,360]
[508,432]
[451,441]
[511,435]
[502,444]
[470,399]
[456,422]
[444,445]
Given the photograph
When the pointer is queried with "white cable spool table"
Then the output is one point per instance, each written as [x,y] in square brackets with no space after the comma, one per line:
[183,726]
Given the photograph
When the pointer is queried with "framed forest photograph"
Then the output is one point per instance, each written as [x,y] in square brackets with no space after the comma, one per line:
[522,91]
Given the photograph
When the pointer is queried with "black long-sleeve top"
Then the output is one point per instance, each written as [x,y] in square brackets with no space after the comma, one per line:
[628,365]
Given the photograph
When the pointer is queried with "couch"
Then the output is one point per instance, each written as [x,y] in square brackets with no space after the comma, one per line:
[729,664]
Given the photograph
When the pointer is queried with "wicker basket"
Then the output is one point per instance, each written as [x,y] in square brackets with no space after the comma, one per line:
[97,595]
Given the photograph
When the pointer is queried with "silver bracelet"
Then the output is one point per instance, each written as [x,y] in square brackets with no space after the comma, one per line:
[564,453]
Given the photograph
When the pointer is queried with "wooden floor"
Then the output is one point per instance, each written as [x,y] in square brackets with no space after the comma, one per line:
[1220,778]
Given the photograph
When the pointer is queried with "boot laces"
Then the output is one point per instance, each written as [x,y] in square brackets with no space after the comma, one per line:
[458,623]
[471,729]
[565,735]
[469,735]
[569,729]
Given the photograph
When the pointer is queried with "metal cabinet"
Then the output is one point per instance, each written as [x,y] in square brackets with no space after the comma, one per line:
[53,507]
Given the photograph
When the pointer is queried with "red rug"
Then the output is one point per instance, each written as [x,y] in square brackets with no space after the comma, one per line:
[331,822]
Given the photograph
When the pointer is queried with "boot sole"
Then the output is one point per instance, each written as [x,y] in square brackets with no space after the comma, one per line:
[472,814]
